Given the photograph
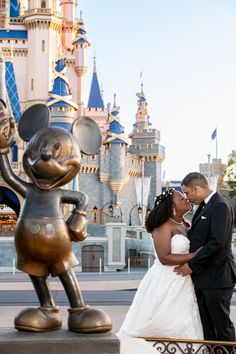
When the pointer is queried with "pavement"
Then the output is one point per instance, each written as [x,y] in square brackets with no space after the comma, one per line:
[88,281]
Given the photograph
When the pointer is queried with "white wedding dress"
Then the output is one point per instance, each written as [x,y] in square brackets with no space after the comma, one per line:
[165,304]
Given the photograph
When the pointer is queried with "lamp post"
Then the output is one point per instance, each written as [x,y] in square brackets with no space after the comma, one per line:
[95,209]
[140,210]
[111,209]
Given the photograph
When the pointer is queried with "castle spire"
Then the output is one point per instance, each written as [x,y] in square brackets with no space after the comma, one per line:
[142,117]
[95,97]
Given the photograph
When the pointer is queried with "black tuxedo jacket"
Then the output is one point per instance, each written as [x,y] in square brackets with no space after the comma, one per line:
[213,266]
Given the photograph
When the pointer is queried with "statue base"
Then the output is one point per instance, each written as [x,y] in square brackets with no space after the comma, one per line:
[58,342]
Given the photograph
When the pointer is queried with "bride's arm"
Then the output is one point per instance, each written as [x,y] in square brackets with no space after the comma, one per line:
[162,243]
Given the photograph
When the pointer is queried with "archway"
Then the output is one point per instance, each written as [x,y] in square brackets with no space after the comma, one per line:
[9,198]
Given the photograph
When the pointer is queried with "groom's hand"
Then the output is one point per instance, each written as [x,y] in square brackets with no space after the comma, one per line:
[183,270]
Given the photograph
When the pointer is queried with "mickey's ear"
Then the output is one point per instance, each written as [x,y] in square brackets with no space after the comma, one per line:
[32,120]
[88,135]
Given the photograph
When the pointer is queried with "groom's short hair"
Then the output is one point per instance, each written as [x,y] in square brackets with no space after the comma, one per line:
[195,179]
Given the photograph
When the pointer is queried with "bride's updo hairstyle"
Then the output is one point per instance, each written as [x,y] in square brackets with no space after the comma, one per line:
[162,210]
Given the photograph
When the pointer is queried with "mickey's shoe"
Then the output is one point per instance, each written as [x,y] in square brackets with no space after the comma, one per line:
[41,319]
[87,320]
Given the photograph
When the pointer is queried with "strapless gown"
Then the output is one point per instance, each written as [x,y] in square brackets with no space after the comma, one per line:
[165,303]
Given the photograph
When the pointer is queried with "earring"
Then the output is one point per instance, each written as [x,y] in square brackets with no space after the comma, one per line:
[174,212]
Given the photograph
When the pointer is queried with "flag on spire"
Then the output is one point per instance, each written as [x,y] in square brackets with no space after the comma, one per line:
[213,135]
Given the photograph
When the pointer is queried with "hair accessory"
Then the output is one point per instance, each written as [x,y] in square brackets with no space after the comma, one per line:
[167,193]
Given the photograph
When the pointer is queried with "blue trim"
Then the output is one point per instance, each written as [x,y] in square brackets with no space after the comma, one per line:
[81,40]
[81,31]
[59,103]
[14,9]
[13,34]
[12,90]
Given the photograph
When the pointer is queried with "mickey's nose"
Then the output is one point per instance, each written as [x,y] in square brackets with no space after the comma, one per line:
[46,155]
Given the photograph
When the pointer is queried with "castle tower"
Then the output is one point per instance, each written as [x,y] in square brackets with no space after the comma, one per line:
[96,109]
[81,45]
[60,99]
[68,8]
[145,143]
[116,143]
[43,22]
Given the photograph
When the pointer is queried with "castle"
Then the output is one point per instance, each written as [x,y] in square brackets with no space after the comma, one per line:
[45,50]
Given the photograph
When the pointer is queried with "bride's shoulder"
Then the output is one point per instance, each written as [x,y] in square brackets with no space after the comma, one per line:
[164,228]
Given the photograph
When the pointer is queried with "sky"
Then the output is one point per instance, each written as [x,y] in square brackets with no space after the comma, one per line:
[186,52]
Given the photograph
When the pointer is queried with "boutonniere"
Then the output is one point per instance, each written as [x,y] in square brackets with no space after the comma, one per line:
[203,217]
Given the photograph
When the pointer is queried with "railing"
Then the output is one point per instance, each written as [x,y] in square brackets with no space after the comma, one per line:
[189,346]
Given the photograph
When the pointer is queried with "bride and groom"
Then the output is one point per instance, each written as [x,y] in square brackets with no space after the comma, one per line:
[169,303]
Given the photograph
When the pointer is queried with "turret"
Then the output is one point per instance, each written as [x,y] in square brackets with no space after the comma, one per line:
[43,22]
[116,143]
[145,143]
[60,99]
[81,45]
[68,8]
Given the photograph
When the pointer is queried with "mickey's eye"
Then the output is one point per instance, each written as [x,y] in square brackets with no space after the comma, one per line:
[56,150]
[43,145]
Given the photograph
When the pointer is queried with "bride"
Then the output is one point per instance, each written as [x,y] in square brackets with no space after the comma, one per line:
[165,304]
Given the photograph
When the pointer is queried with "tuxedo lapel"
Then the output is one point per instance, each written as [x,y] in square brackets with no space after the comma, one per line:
[198,215]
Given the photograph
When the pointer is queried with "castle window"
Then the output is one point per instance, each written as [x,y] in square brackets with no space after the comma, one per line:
[43,4]
[43,46]
[32,84]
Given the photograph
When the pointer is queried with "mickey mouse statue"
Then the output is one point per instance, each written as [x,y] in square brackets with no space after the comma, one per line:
[43,239]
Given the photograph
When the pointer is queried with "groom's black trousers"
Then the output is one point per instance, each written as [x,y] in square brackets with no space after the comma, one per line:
[214,307]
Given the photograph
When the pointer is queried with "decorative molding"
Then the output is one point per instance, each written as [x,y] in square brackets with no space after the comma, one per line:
[103,177]
[89,169]
[117,185]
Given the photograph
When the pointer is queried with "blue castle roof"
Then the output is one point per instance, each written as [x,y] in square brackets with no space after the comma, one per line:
[115,132]
[14,8]
[60,95]
[81,35]
[95,97]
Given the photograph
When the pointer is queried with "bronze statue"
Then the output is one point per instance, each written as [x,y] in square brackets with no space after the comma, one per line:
[43,239]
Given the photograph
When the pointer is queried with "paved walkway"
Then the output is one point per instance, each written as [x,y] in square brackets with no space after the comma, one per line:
[117,313]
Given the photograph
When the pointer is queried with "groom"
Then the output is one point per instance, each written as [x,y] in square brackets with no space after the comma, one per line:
[213,269]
